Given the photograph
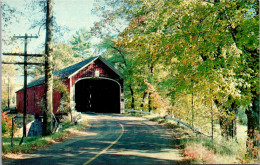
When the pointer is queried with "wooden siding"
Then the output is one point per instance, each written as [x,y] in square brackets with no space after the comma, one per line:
[35,94]
[35,99]
[89,71]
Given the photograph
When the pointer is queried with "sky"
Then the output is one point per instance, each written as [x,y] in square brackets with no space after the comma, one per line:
[74,14]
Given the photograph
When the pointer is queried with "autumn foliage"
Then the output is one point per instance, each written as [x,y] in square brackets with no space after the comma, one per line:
[195,60]
[7,124]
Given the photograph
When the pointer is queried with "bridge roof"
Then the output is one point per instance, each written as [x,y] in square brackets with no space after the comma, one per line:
[70,70]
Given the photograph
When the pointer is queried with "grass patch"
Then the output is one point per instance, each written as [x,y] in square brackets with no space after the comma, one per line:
[33,143]
[198,149]
[166,122]
[136,114]
[156,118]
[203,150]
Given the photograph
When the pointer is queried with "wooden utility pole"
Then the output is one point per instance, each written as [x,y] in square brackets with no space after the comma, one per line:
[12,135]
[25,63]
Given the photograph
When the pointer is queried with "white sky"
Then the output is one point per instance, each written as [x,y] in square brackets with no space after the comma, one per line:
[75,14]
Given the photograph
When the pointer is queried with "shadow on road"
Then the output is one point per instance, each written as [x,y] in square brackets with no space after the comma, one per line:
[143,142]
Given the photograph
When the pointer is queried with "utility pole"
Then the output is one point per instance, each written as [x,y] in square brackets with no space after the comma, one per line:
[25,63]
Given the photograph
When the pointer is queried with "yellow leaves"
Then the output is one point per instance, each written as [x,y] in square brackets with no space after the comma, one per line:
[174,60]
[186,2]
[175,72]
[211,58]
[224,53]
[235,51]
[184,62]
[160,102]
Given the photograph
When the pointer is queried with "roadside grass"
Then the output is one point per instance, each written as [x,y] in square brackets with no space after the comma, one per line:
[203,150]
[166,122]
[220,150]
[136,114]
[198,149]
[33,143]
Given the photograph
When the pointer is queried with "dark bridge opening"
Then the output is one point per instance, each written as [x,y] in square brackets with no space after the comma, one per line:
[97,95]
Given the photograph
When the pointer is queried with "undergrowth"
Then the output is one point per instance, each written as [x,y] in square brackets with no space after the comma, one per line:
[33,143]
[136,114]
[198,149]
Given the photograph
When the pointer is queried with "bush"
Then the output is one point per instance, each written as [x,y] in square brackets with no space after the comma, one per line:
[6,123]
[33,143]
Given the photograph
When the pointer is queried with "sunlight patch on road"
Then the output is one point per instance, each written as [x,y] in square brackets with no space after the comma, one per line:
[104,150]
[24,156]
[166,154]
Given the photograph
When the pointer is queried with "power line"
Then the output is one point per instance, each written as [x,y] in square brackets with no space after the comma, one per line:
[25,63]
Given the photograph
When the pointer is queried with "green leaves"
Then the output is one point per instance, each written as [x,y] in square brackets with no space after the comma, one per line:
[80,43]
[185,46]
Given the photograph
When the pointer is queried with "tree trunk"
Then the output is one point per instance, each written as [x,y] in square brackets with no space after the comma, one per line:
[150,108]
[142,104]
[253,120]
[48,120]
[228,124]
[133,99]
[233,126]
[149,102]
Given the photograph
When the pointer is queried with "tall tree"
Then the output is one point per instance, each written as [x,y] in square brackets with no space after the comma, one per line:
[208,49]
[48,110]
[9,74]
[80,43]
[9,16]
[66,53]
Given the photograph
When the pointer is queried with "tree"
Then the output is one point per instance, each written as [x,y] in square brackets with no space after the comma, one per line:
[48,110]
[80,43]
[9,74]
[9,16]
[208,49]
[39,8]
[66,54]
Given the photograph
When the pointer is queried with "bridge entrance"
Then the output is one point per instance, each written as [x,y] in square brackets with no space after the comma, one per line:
[100,95]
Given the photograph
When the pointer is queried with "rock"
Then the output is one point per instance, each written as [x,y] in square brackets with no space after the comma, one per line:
[35,129]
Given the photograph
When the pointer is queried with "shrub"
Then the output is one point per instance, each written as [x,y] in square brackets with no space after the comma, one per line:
[6,123]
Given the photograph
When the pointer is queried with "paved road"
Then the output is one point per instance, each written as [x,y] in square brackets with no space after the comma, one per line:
[111,139]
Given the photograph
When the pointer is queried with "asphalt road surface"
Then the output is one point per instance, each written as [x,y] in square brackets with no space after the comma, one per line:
[111,139]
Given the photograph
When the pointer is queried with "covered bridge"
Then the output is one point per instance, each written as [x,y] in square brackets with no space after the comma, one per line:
[93,84]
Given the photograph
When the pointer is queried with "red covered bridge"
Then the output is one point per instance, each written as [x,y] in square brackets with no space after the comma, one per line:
[94,85]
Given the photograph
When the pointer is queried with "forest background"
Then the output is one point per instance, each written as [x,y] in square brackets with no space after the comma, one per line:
[197,61]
